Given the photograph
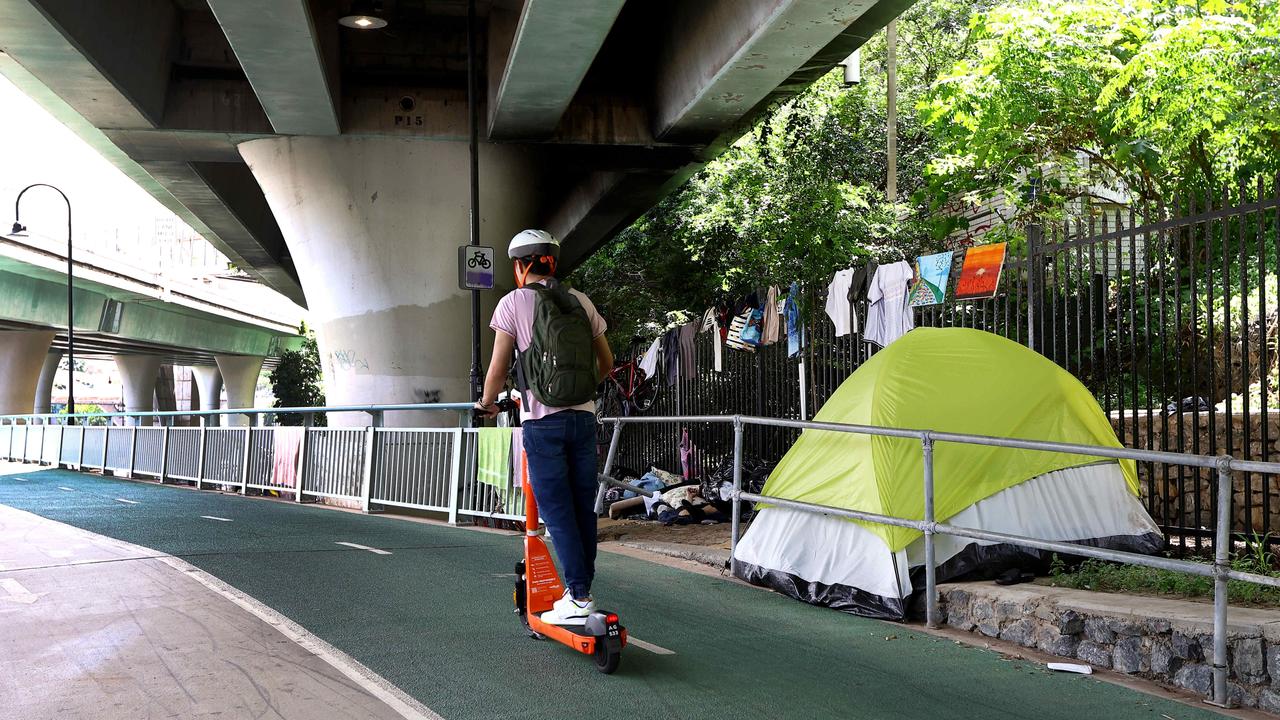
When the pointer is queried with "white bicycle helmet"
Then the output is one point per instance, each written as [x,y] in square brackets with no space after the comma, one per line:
[533,243]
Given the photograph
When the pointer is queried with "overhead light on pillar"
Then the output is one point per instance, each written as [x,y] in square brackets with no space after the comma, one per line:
[18,228]
[364,16]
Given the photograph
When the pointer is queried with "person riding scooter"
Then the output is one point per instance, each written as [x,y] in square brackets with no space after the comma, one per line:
[557,338]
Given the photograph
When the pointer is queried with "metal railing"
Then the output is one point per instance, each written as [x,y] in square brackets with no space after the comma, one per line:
[430,469]
[436,469]
[1220,570]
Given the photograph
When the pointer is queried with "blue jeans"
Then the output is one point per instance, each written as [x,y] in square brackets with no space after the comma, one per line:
[561,450]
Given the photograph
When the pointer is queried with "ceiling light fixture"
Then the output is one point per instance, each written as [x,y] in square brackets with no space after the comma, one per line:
[364,16]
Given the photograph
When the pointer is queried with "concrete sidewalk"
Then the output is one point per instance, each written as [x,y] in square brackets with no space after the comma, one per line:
[94,628]
[428,608]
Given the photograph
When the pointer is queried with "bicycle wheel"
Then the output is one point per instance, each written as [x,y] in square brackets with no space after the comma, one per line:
[646,395]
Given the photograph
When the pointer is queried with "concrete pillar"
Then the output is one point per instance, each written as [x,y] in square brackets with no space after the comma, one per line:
[373,226]
[166,397]
[209,383]
[23,354]
[240,373]
[44,387]
[138,373]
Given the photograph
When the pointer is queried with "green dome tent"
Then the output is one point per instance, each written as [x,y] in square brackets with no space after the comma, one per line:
[948,380]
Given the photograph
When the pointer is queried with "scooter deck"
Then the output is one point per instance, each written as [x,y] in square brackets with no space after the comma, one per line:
[575,636]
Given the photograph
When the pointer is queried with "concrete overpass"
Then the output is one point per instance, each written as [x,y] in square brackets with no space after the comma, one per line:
[330,162]
[224,328]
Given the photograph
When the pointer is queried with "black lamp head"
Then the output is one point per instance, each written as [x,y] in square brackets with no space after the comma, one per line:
[19,228]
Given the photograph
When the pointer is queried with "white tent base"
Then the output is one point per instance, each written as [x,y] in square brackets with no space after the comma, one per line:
[841,564]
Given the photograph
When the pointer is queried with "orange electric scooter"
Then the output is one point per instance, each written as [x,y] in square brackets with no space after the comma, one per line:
[538,587]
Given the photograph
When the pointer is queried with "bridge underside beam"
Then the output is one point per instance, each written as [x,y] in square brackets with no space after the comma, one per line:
[552,44]
[281,52]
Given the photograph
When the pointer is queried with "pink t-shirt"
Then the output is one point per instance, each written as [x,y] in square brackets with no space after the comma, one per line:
[514,316]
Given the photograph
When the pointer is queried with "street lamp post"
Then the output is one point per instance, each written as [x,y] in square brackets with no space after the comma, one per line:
[71,330]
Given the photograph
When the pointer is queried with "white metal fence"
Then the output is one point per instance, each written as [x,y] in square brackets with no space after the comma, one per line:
[432,469]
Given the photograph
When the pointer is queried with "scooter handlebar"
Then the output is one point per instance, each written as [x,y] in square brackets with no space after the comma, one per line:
[503,405]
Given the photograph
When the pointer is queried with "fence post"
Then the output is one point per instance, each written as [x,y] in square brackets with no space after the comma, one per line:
[608,466]
[930,571]
[366,478]
[307,421]
[736,521]
[106,443]
[164,453]
[804,392]
[370,458]
[133,448]
[1034,235]
[204,446]
[1221,566]
[244,465]
[84,435]
[455,474]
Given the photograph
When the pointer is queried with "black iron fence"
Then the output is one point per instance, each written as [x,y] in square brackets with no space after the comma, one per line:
[1168,315]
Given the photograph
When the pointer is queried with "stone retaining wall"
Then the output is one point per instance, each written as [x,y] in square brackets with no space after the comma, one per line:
[1182,490]
[1168,641]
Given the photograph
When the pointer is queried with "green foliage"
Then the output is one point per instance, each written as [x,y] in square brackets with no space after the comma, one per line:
[297,380]
[1104,576]
[91,408]
[1150,98]
[800,195]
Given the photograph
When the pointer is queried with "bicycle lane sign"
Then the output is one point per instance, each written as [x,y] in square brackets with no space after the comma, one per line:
[475,267]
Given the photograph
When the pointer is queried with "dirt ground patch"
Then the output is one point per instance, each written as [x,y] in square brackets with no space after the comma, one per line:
[713,536]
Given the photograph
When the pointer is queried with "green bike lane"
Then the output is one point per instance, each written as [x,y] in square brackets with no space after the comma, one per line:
[434,618]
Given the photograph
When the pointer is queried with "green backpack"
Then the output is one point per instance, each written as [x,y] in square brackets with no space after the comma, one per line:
[559,366]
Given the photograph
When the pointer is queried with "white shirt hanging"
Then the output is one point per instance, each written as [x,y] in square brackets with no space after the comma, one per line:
[838,303]
[888,317]
[649,361]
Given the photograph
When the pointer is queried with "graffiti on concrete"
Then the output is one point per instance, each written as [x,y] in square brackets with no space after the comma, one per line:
[347,361]
[427,396]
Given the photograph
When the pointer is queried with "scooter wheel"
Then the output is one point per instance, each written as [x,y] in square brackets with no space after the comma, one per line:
[607,658]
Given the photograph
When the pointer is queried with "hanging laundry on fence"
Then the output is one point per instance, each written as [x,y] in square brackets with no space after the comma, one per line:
[888,317]
[980,274]
[838,306]
[671,355]
[711,324]
[753,332]
[771,317]
[795,328]
[688,358]
[649,361]
[493,459]
[734,339]
[932,273]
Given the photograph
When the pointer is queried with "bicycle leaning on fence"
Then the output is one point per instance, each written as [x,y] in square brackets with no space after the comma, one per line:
[626,390]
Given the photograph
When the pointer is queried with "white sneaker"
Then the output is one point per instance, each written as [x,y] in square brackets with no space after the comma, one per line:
[568,611]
